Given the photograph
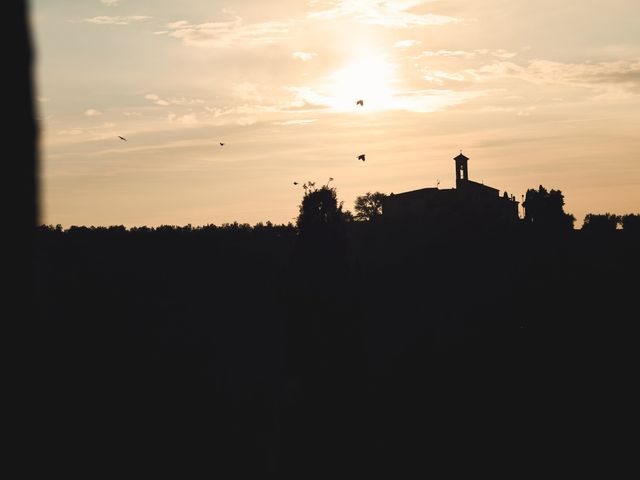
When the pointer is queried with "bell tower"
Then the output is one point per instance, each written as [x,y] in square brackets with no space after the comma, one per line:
[462,171]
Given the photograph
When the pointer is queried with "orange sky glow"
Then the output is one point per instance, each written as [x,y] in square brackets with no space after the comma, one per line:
[534,93]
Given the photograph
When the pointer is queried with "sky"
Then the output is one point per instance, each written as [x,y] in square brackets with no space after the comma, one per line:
[534,93]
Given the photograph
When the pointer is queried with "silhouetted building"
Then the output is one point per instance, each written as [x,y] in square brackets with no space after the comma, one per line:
[468,199]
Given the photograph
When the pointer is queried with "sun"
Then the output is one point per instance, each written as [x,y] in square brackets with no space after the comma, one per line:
[367,78]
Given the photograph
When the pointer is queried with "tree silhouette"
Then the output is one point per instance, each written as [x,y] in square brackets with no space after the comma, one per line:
[545,210]
[322,234]
[368,207]
[631,223]
[601,224]
[320,214]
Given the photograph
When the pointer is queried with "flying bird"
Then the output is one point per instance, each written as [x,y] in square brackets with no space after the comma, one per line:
[361,157]
[221,143]
[295,183]
[360,102]
[122,138]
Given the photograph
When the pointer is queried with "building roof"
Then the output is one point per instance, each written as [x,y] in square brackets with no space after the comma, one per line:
[421,191]
[461,157]
[479,187]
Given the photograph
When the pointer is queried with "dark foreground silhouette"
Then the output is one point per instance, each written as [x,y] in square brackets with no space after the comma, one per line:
[385,350]
[380,348]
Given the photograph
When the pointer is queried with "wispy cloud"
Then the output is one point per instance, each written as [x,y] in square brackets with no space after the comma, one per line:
[107,20]
[247,91]
[447,53]
[91,112]
[389,13]
[233,33]
[307,97]
[433,100]
[189,119]
[110,3]
[82,134]
[156,99]
[421,101]
[621,73]
[164,102]
[304,121]
[301,105]
[304,56]
[407,43]
[499,53]
[440,76]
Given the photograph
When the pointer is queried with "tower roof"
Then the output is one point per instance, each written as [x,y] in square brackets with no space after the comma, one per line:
[461,157]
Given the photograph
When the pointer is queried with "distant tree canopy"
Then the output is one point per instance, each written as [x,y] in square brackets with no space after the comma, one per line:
[631,223]
[229,230]
[545,210]
[368,207]
[601,223]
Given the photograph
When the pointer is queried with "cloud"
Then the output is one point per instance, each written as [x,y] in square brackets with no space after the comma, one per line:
[302,106]
[433,100]
[106,20]
[421,101]
[307,97]
[304,56]
[181,101]
[91,133]
[71,131]
[447,53]
[247,91]
[246,121]
[406,43]
[499,53]
[92,112]
[156,99]
[304,121]
[251,110]
[492,109]
[622,73]
[439,76]
[110,3]
[188,119]
[227,34]
[389,13]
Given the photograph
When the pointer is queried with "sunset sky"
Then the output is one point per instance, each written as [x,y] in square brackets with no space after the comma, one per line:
[533,92]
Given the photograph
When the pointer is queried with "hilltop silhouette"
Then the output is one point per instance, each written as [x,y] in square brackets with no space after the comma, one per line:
[350,342]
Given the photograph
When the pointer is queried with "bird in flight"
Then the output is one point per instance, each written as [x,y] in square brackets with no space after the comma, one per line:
[360,102]
[295,183]
[122,138]
[221,143]
[361,157]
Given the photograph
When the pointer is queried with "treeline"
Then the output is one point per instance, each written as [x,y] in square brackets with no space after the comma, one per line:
[259,228]
[608,223]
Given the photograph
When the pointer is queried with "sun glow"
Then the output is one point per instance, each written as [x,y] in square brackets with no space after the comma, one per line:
[368,79]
